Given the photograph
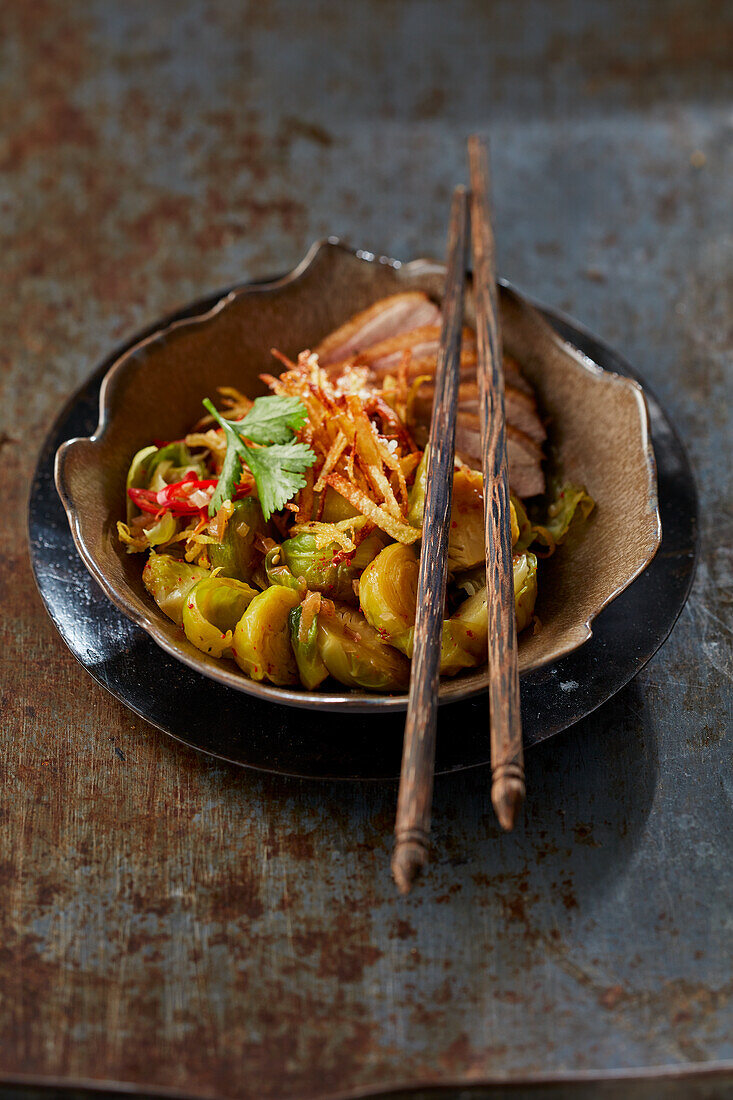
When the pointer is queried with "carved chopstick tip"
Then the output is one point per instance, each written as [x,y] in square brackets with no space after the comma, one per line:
[409,858]
[507,797]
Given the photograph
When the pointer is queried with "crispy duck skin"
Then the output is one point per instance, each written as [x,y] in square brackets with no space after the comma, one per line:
[386,318]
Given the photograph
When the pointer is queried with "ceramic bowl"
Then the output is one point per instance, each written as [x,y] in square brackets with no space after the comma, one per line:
[597,428]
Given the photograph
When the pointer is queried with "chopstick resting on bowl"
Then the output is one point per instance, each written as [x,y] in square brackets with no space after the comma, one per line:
[412,827]
[507,759]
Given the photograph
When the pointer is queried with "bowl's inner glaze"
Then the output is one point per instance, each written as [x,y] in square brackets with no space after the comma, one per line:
[597,430]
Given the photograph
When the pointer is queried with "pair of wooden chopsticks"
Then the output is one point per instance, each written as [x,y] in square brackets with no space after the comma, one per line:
[412,828]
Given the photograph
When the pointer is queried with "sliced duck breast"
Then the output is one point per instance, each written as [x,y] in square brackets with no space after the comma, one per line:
[520,408]
[524,456]
[386,318]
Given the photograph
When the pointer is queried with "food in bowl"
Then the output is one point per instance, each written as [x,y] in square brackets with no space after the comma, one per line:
[283,533]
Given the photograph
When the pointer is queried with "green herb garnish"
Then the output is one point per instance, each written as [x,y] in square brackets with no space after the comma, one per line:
[277,465]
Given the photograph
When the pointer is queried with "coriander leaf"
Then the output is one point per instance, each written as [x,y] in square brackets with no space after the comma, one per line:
[273,419]
[232,466]
[227,484]
[278,471]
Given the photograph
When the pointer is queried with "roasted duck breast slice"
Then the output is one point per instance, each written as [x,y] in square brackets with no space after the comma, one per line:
[422,343]
[386,318]
[524,456]
[513,375]
[520,407]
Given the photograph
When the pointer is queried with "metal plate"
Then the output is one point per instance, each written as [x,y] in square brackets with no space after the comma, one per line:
[260,735]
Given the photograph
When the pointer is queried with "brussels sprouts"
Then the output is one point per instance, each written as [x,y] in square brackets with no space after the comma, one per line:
[525,588]
[417,492]
[262,646]
[169,581]
[162,531]
[453,654]
[171,463]
[137,476]
[466,540]
[567,499]
[211,611]
[466,544]
[525,531]
[472,614]
[472,581]
[336,507]
[305,647]
[466,547]
[465,634]
[299,564]
[279,574]
[155,467]
[388,595]
[469,626]
[156,533]
[236,555]
[354,653]
[388,590]
[367,551]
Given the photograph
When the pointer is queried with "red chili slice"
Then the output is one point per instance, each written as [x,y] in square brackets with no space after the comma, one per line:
[175,498]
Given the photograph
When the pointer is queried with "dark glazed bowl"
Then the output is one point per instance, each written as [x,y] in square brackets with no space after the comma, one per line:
[598,429]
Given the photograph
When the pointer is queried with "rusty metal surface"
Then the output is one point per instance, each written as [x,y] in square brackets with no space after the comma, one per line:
[169,921]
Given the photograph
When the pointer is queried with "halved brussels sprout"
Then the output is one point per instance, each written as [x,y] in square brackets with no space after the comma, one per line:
[472,614]
[299,564]
[469,626]
[304,638]
[388,589]
[211,611]
[336,507]
[262,646]
[161,531]
[525,531]
[355,654]
[472,581]
[416,495]
[388,596]
[236,555]
[466,541]
[169,581]
[279,574]
[525,588]
[171,463]
[137,476]
[453,654]
[156,533]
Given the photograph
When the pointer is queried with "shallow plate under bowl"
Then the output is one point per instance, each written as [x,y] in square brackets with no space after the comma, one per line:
[598,429]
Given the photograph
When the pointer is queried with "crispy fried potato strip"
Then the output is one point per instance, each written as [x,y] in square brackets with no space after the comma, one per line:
[379,515]
[356,433]
[336,450]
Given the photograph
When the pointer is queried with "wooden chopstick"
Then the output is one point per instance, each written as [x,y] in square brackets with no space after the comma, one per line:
[507,758]
[412,827]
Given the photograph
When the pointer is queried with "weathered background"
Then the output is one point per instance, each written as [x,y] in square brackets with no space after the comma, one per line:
[170,921]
